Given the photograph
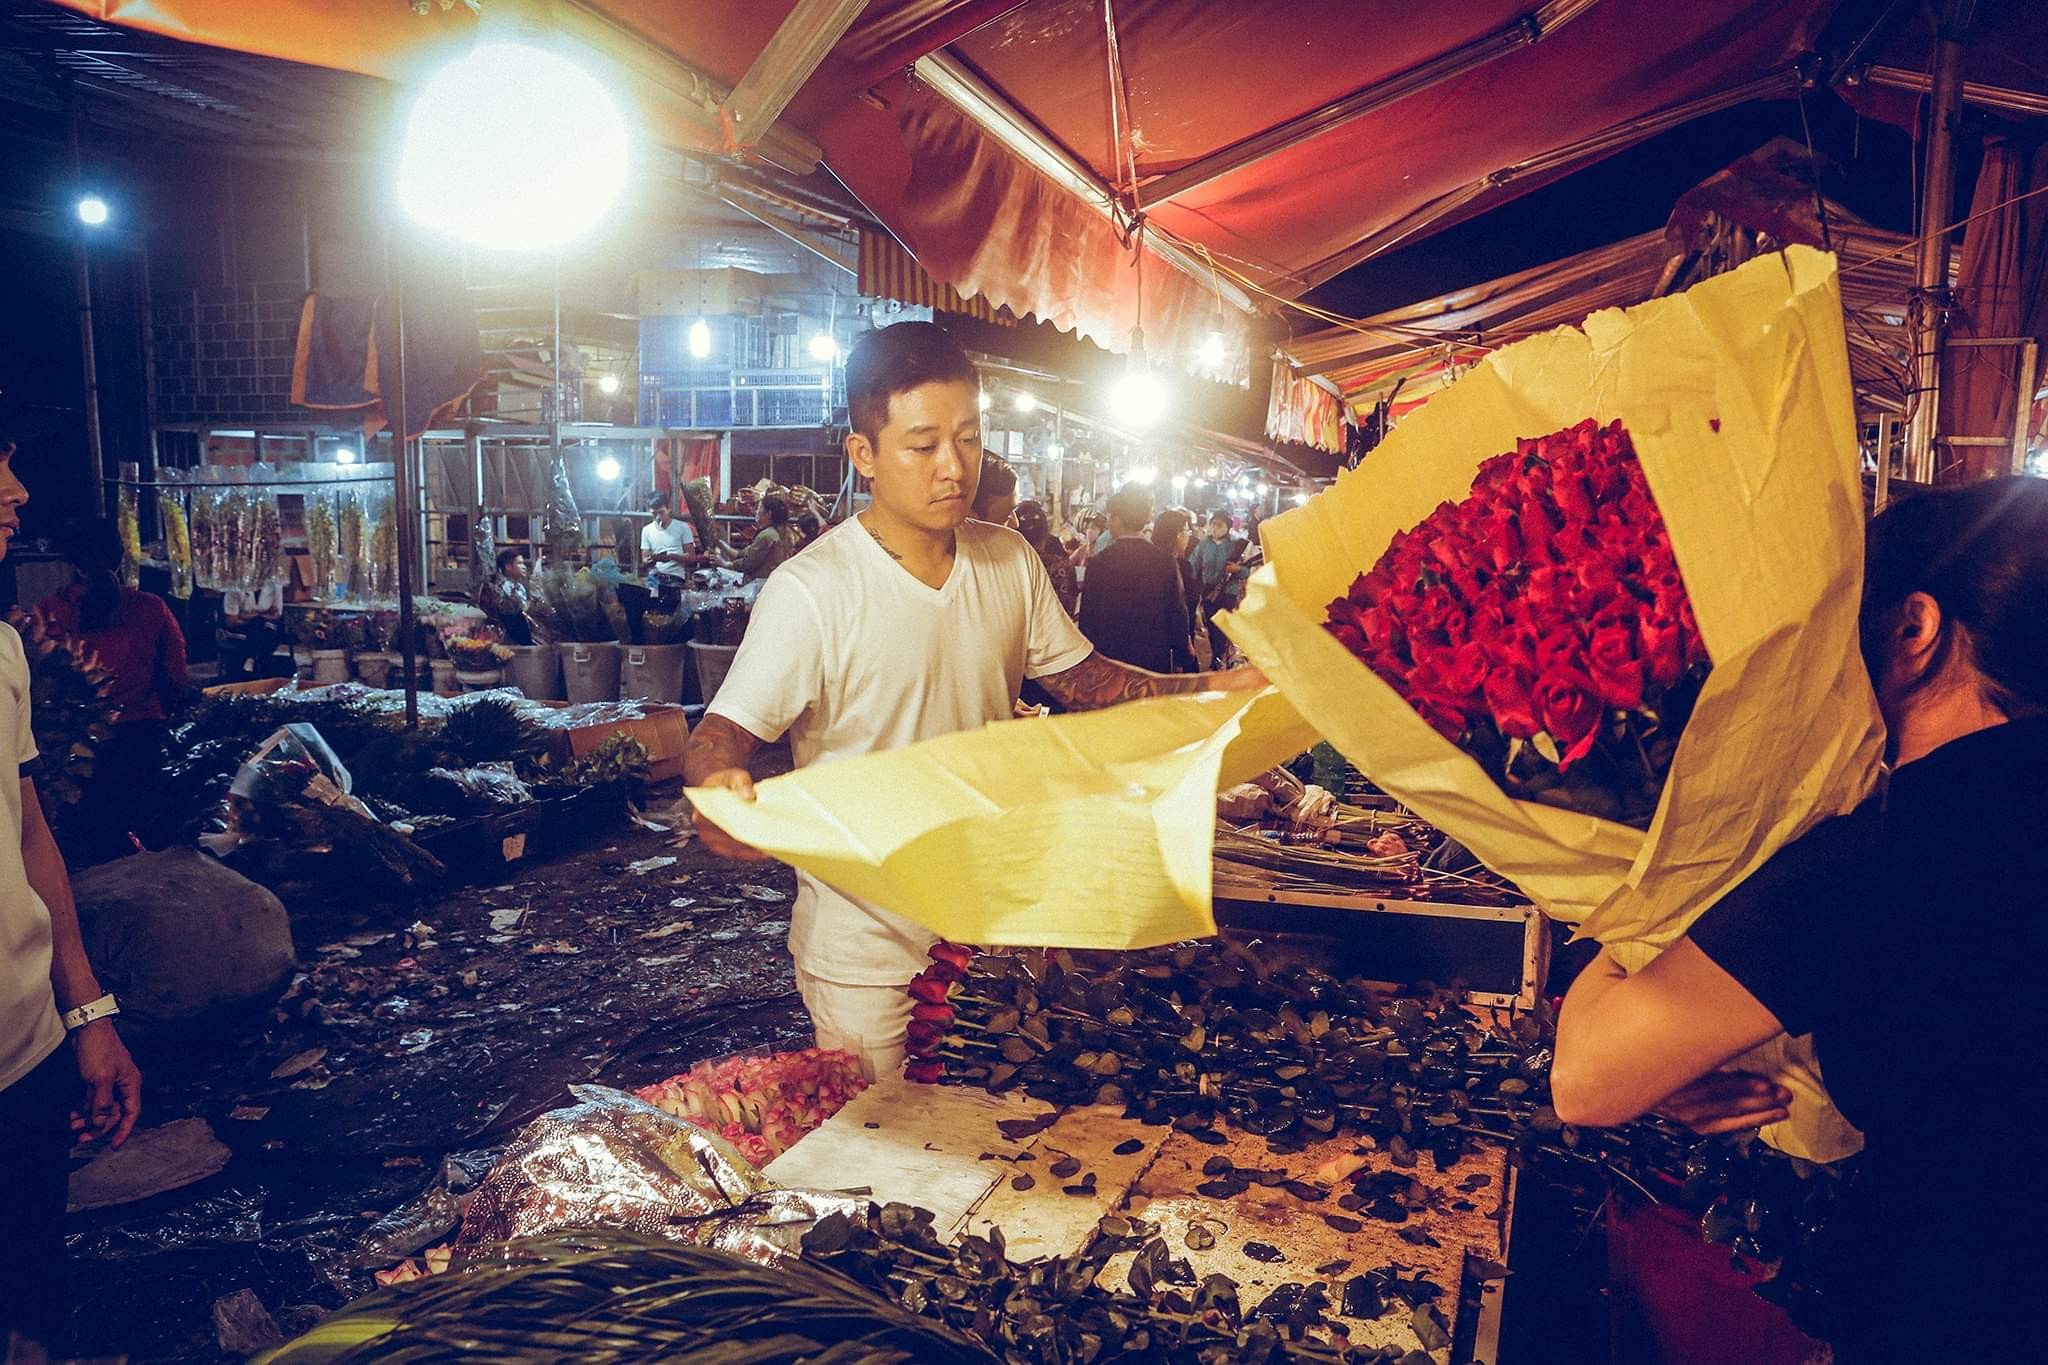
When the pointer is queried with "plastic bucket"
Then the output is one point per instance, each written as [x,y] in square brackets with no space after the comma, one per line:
[591,670]
[444,677]
[480,679]
[330,666]
[536,670]
[712,663]
[374,668]
[653,672]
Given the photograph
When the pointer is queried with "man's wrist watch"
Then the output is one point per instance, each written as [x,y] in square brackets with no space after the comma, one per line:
[103,1008]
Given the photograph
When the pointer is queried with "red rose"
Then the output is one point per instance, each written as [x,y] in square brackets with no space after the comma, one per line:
[1511,698]
[924,1035]
[958,956]
[937,1014]
[1382,628]
[1662,649]
[1348,636]
[1445,719]
[1462,674]
[1689,632]
[1567,705]
[924,1072]
[930,988]
[1538,529]
[1562,647]
[1617,672]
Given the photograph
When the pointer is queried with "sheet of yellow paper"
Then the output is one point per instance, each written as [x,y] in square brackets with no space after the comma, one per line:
[1736,394]
[1082,831]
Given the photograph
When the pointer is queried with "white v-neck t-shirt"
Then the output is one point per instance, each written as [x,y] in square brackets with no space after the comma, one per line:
[848,653]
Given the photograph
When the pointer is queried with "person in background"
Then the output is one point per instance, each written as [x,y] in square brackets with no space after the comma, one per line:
[1172,530]
[910,621]
[1036,528]
[1132,606]
[667,547]
[1215,561]
[137,641]
[1094,526]
[506,597]
[774,541]
[1924,902]
[809,527]
[246,644]
[65,1076]
[995,495]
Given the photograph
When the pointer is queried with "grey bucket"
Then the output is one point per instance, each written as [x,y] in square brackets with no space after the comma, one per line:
[591,670]
[653,672]
[536,670]
[712,663]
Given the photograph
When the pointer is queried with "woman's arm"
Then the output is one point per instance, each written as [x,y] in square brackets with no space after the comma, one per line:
[1625,1043]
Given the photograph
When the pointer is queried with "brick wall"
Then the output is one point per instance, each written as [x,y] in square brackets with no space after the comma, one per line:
[226,354]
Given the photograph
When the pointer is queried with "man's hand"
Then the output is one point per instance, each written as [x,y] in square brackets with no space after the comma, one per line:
[1245,679]
[113,1086]
[741,784]
[1727,1102]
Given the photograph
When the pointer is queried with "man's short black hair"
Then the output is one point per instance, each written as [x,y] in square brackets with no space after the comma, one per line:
[1219,515]
[893,360]
[657,502]
[1131,504]
[507,555]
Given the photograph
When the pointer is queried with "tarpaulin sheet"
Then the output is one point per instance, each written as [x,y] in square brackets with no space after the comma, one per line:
[1736,394]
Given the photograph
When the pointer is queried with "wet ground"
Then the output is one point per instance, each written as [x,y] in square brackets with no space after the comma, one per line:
[415,1032]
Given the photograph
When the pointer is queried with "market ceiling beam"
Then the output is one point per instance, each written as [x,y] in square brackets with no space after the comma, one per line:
[2006,101]
[680,88]
[1608,140]
[1527,31]
[806,36]
[966,91]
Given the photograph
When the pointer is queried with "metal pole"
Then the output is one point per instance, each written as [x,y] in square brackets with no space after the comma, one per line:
[1883,495]
[81,266]
[1937,205]
[401,492]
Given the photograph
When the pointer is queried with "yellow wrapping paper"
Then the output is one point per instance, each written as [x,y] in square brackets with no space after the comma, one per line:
[1765,515]
[1082,831]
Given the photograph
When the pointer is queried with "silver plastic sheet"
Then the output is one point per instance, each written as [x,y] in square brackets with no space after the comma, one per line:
[618,1162]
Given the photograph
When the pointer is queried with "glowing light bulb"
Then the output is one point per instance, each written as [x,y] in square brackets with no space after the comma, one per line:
[1144,474]
[1180,481]
[1025,403]
[345,455]
[1213,351]
[608,469]
[512,147]
[608,384]
[1138,400]
[1055,450]
[1300,499]
[92,210]
[700,339]
[824,349]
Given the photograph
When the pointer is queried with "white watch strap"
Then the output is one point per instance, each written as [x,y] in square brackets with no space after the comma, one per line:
[104,1007]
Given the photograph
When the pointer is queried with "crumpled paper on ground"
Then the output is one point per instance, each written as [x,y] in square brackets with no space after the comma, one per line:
[1737,397]
[614,1161]
[1079,831]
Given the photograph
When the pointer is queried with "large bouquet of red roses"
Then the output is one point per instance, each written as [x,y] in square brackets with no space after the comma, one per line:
[1542,625]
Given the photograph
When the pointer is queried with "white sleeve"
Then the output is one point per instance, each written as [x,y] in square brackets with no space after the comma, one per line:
[1053,643]
[646,534]
[14,682]
[689,534]
[779,673]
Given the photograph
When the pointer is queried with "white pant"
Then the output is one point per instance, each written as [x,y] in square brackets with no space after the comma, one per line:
[871,1022]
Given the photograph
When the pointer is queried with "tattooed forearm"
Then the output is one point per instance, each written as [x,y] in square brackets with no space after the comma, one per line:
[715,745]
[1098,681]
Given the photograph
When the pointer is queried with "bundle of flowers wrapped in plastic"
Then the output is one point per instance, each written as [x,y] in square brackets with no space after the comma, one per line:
[761,1105]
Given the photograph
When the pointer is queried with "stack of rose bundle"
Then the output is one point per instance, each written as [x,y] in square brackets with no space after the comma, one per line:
[1542,625]
[761,1105]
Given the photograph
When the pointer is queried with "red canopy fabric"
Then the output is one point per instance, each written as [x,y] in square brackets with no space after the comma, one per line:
[2001,291]
[1199,76]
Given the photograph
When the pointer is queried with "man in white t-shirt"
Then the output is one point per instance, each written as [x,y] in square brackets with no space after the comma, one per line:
[47,990]
[666,545]
[904,623]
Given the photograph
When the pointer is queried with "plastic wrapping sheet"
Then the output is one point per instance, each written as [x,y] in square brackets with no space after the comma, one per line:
[614,1161]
